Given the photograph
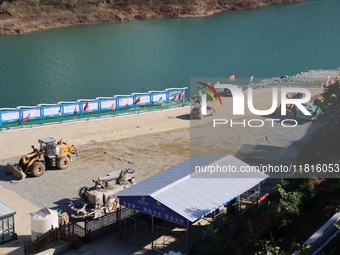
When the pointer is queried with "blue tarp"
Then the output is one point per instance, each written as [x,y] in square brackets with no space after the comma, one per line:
[314,110]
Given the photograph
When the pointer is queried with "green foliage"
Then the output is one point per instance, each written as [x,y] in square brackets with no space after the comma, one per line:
[302,249]
[267,248]
[289,205]
[338,209]
[337,225]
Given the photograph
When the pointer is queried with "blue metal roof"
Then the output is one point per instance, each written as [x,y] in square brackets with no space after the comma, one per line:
[181,197]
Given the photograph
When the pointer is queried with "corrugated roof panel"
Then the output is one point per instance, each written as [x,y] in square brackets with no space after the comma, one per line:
[158,181]
[5,210]
[193,202]
[193,197]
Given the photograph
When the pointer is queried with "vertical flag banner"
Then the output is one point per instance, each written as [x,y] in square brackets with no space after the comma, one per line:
[160,100]
[251,79]
[26,118]
[86,106]
[113,106]
[232,78]
[180,96]
[137,101]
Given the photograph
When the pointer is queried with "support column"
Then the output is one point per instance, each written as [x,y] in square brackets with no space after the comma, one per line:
[152,233]
[120,223]
[188,240]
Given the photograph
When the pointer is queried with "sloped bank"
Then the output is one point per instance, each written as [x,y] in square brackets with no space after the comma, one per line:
[20,16]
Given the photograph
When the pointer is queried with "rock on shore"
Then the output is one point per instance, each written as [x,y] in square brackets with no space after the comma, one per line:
[309,77]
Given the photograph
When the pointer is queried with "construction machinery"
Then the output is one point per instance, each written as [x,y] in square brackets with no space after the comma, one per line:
[50,154]
[100,200]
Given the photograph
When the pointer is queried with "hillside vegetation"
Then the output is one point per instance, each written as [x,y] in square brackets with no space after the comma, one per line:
[24,16]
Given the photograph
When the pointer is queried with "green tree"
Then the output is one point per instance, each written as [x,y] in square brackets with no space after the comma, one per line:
[267,248]
[289,205]
[302,249]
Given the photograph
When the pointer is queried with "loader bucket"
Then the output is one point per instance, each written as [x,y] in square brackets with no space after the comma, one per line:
[16,172]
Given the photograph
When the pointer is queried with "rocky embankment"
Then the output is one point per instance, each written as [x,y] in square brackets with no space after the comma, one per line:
[25,16]
[309,77]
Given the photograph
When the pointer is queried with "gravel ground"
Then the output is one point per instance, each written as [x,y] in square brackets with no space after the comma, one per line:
[56,188]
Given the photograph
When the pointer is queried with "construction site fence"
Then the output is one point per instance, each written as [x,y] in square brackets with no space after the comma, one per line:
[160,238]
[109,219]
[56,234]
[81,109]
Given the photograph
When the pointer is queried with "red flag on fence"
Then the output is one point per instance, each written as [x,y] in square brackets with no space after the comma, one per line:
[137,101]
[232,78]
[86,106]
[180,96]
[113,106]
[26,118]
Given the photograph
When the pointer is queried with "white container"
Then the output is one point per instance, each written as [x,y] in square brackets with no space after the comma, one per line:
[42,221]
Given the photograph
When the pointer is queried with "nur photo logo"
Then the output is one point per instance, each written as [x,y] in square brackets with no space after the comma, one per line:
[243,99]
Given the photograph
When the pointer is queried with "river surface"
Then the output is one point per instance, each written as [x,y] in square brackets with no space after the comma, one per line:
[85,62]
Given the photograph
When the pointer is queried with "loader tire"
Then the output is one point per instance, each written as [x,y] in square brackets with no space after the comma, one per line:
[63,162]
[38,169]
[21,162]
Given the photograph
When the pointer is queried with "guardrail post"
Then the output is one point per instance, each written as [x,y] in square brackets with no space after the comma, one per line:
[37,246]
[88,236]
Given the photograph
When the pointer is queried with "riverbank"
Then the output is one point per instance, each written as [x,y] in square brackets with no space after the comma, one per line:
[309,77]
[20,17]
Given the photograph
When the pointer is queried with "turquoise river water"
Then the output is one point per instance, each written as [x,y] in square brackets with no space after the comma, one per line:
[86,62]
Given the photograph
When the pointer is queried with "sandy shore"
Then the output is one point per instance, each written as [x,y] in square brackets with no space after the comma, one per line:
[95,130]
[149,143]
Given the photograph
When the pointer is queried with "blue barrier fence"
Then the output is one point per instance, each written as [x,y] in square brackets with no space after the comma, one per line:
[86,108]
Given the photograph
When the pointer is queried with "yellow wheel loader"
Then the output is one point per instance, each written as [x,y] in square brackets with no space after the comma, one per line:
[50,154]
